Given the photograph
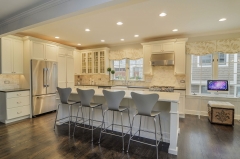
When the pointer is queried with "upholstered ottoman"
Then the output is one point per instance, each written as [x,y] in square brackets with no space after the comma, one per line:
[221,112]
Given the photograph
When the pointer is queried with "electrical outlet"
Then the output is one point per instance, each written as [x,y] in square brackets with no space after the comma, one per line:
[6,82]
[182,81]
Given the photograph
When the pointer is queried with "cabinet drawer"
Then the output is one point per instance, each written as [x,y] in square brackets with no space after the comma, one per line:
[16,102]
[17,94]
[18,112]
[182,92]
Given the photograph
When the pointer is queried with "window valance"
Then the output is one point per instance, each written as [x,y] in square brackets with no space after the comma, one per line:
[132,54]
[208,47]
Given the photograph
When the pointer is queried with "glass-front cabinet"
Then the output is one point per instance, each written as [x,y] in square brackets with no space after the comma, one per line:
[95,61]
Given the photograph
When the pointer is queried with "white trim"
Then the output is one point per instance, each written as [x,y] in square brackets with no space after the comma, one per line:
[31,11]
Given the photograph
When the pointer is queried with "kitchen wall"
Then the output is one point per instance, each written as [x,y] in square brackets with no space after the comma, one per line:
[162,76]
[9,81]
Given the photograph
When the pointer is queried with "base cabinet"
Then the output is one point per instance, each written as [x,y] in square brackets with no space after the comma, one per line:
[14,106]
[181,105]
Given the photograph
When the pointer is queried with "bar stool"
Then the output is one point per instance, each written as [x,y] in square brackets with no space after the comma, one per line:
[64,94]
[145,104]
[113,101]
[86,97]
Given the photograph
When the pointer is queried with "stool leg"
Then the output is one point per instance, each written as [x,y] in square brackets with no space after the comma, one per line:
[159,117]
[56,117]
[102,115]
[130,133]
[140,126]
[89,116]
[101,127]
[156,135]
[69,118]
[76,121]
[112,121]
[122,130]
[129,119]
[92,124]
[83,117]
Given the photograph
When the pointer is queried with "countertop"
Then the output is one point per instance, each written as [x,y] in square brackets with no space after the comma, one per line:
[14,90]
[141,87]
[163,96]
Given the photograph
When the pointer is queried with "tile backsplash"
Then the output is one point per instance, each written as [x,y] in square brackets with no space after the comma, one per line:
[9,81]
[162,76]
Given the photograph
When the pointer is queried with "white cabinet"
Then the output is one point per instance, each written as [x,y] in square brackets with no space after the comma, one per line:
[147,51]
[163,47]
[77,62]
[180,57]
[65,68]
[94,61]
[181,104]
[14,106]
[44,51]
[11,55]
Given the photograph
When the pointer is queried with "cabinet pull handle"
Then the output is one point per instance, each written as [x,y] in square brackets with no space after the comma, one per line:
[19,112]
[19,102]
[18,94]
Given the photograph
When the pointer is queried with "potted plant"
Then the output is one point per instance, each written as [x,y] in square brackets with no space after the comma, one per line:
[113,72]
[109,71]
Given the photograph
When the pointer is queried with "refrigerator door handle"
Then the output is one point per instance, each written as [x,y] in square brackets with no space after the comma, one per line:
[44,77]
[47,85]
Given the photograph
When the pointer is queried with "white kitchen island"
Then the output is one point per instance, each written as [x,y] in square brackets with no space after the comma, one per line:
[167,104]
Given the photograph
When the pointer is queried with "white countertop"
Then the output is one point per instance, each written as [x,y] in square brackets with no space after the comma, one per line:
[163,96]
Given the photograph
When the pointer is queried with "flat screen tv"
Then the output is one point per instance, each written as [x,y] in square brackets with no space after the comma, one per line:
[217,86]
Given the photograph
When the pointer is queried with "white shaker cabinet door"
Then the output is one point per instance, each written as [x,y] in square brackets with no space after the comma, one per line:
[77,63]
[6,61]
[179,68]
[38,50]
[51,52]
[70,70]
[18,56]
[62,79]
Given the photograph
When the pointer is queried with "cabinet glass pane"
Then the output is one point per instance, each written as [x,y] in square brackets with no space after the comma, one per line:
[89,62]
[102,64]
[84,63]
[95,62]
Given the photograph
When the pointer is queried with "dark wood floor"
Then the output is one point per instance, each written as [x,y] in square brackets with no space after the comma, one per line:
[35,138]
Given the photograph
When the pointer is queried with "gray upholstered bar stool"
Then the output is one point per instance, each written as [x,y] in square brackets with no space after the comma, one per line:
[113,102]
[64,94]
[86,97]
[145,104]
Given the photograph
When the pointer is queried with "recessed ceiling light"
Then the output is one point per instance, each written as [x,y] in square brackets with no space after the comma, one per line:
[87,29]
[222,19]
[102,40]
[136,36]
[175,30]
[79,44]
[122,39]
[119,23]
[56,37]
[162,14]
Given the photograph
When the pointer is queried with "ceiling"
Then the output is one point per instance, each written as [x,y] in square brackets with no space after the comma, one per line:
[9,8]
[191,18]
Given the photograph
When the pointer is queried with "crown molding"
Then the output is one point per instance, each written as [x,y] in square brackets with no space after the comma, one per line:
[31,11]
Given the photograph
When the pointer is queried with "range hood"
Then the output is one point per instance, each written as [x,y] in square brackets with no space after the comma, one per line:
[164,59]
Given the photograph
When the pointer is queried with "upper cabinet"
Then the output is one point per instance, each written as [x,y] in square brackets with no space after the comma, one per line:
[11,55]
[77,62]
[94,61]
[41,49]
[176,46]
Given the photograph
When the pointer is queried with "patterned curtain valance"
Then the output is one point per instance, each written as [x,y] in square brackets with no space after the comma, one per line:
[209,47]
[132,54]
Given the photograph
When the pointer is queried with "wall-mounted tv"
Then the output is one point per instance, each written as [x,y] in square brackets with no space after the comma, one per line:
[217,85]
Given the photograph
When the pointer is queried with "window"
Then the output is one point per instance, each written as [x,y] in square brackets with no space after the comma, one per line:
[225,67]
[135,71]
[120,69]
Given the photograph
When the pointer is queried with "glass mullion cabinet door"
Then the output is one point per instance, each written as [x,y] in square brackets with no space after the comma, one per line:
[96,62]
[90,62]
[84,64]
[102,62]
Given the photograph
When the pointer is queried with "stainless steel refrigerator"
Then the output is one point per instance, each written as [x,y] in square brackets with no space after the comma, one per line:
[43,85]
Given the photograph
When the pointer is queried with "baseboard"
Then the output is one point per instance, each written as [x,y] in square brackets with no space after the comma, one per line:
[16,119]
[195,112]
[181,115]
[173,151]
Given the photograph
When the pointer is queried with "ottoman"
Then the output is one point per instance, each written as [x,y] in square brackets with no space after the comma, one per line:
[221,113]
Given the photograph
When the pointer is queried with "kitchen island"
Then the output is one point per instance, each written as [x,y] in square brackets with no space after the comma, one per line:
[167,104]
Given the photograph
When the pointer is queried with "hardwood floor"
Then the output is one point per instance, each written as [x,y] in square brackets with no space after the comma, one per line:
[35,138]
